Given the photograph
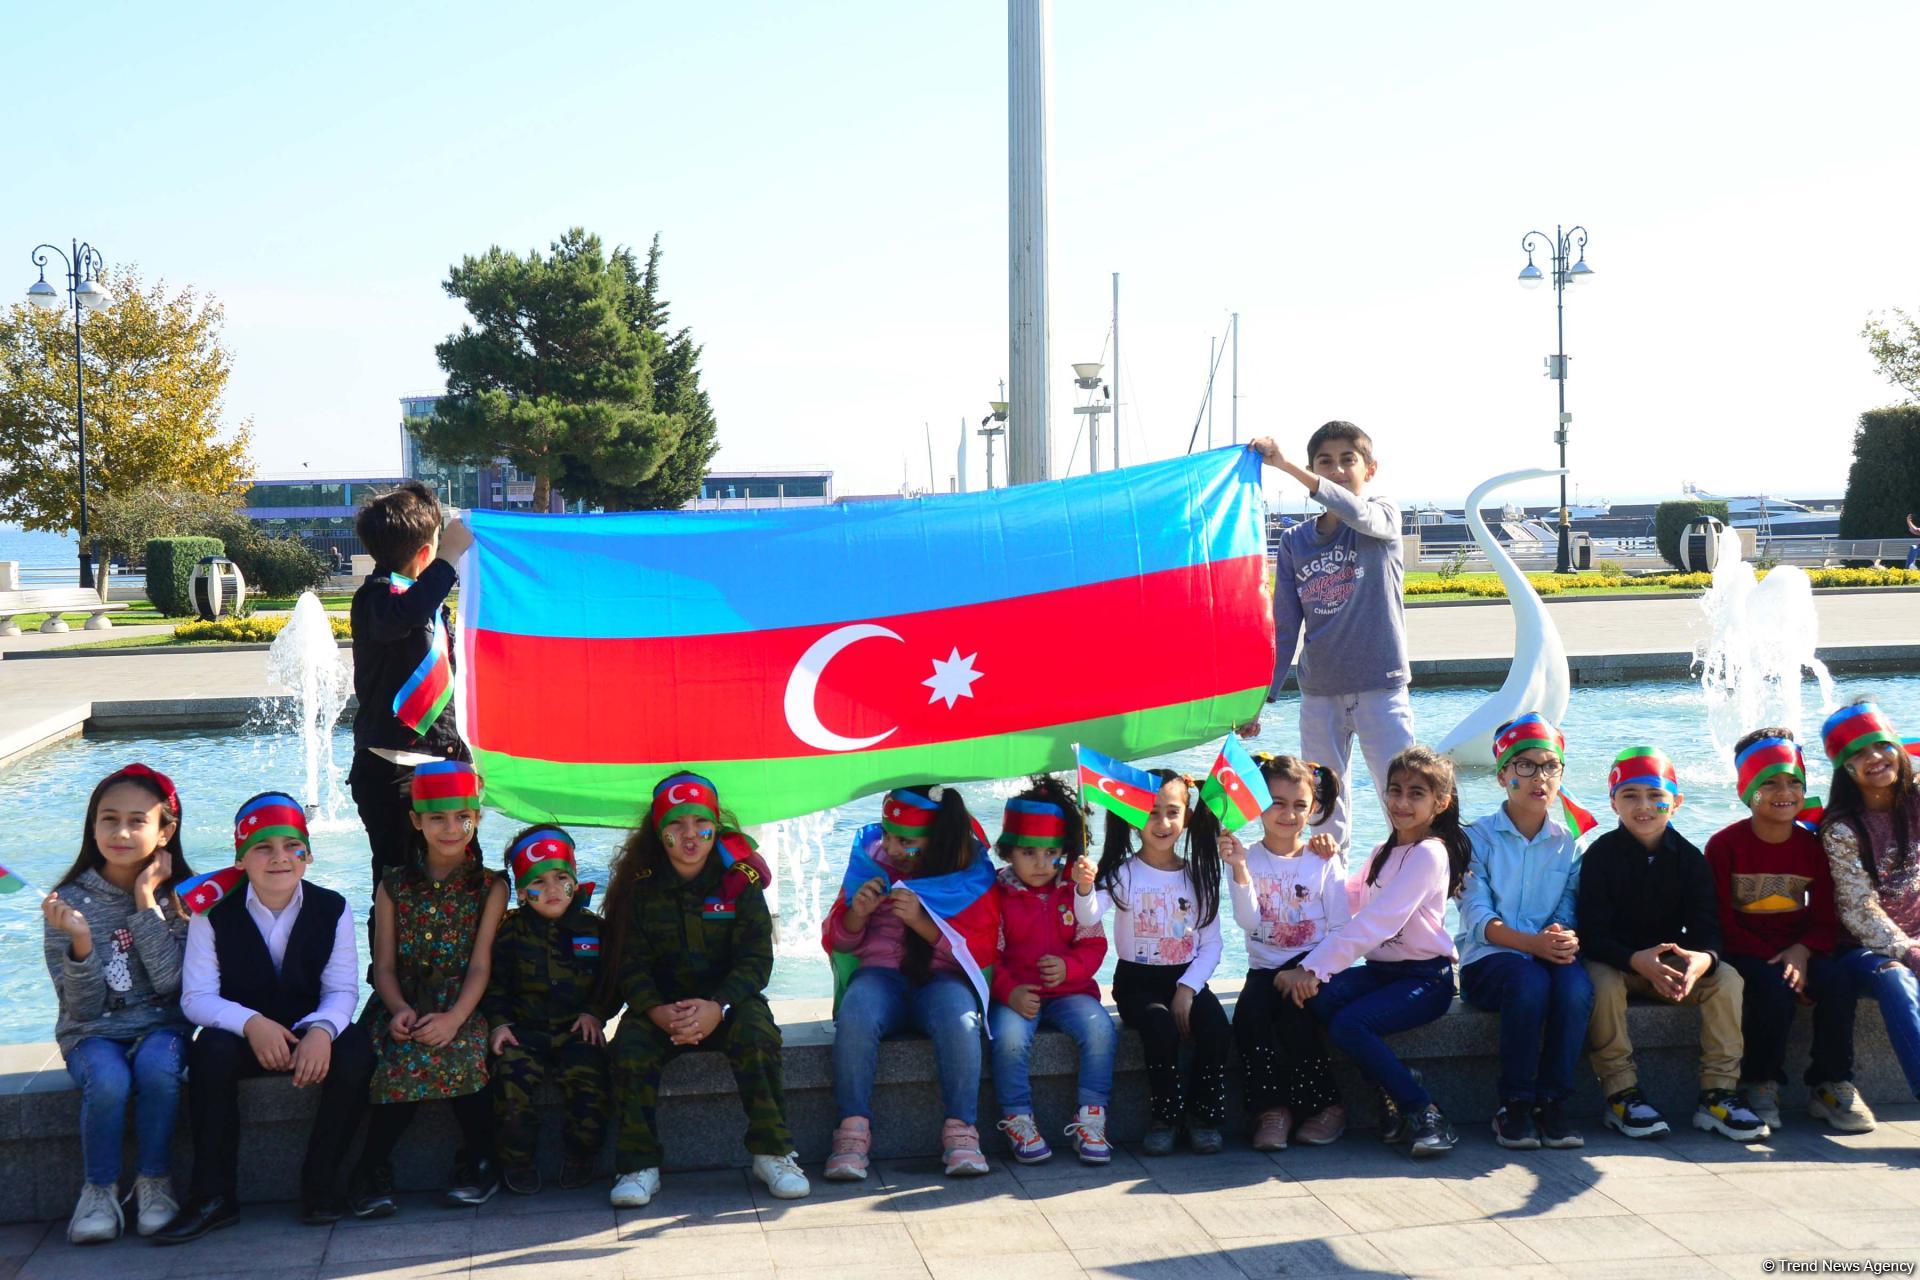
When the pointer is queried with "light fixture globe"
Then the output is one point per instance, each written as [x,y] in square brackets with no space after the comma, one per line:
[93,295]
[1580,271]
[43,295]
[999,408]
[1087,374]
[1530,276]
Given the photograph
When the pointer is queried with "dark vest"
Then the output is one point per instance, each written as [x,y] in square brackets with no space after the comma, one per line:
[246,966]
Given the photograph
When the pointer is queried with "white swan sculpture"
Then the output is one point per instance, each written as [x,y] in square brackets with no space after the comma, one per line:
[1538,679]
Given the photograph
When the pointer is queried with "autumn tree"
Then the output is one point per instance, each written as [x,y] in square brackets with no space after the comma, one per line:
[155,371]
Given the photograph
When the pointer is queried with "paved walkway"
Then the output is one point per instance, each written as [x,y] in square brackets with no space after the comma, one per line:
[1692,1205]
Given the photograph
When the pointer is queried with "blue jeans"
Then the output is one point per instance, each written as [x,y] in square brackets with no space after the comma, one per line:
[108,1071]
[1544,1009]
[1082,1017]
[1363,1004]
[879,1002]
[1894,986]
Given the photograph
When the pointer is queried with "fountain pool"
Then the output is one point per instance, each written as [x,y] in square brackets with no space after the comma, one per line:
[42,801]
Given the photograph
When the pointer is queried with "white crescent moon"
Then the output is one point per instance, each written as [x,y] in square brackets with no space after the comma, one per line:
[1102,786]
[802,716]
[672,798]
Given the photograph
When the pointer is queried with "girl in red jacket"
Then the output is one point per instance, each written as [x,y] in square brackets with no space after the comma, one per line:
[1044,972]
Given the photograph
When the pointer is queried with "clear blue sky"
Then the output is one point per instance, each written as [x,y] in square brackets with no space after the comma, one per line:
[830,183]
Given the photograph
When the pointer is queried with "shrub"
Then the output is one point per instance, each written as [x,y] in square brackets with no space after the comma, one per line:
[279,566]
[253,629]
[1454,565]
[1885,472]
[1671,517]
[170,564]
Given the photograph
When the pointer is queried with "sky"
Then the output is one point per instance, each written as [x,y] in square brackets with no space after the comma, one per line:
[829,182]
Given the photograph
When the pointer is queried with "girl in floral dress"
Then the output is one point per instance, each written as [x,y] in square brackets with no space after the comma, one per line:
[433,926]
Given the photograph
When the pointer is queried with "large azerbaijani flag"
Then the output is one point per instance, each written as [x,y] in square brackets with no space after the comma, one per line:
[801,658]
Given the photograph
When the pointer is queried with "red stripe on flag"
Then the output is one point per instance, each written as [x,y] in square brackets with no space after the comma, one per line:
[434,688]
[1125,793]
[1005,666]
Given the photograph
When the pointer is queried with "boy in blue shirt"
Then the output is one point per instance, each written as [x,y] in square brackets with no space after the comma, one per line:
[1519,954]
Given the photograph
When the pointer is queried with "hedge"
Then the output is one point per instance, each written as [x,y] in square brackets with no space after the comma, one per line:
[1670,518]
[1883,485]
[170,563]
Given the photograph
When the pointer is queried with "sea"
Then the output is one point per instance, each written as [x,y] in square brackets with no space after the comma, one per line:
[46,559]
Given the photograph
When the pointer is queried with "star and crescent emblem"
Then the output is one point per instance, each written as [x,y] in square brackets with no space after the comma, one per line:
[952,679]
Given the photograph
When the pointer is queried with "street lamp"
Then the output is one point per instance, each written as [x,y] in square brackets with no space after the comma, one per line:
[84,293]
[993,426]
[1562,245]
[1086,376]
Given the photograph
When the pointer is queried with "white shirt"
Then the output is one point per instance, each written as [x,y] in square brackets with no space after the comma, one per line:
[1159,924]
[200,997]
[1291,906]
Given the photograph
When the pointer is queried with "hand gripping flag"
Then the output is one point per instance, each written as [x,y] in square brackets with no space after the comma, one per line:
[800,658]
[426,693]
[1235,789]
[961,904]
[1117,786]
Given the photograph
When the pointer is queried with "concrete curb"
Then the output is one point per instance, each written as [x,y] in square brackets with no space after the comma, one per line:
[134,650]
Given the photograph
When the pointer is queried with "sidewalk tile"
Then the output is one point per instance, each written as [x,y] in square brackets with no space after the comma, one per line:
[1452,1245]
[1735,1231]
[1583,1239]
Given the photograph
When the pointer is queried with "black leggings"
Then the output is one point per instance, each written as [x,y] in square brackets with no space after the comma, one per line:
[1282,1048]
[388,1121]
[1144,995]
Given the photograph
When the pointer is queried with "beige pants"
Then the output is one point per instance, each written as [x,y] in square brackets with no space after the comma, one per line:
[1718,996]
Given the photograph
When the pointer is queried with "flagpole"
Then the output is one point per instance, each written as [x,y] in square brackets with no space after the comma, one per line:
[1080,795]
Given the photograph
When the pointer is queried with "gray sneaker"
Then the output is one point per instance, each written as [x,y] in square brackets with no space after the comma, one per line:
[1840,1105]
[96,1217]
[1763,1098]
[1159,1140]
[153,1202]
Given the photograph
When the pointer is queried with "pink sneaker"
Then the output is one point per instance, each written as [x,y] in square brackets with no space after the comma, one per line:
[960,1149]
[1323,1127]
[1271,1129]
[851,1143]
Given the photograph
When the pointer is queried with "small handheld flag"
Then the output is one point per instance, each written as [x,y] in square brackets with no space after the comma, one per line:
[1811,815]
[1116,786]
[198,894]
[12,881]
[1234,789]
[1532,732]
[429,690]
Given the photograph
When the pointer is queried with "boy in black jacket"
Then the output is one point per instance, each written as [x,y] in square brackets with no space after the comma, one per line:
[1649,925]
[402,659]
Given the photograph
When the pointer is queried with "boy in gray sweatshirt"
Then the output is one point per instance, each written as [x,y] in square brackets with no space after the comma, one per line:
[1338,580]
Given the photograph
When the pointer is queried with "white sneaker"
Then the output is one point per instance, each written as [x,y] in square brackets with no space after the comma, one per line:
[96,1217]
[1763,1096]
[782,1176]
[153,1198]
[635,1190]
[1840,1105]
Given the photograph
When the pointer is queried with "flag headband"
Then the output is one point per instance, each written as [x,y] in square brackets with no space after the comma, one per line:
[1851,730]
[1646,767]
[445,785]
[684,795]
[910,814]
[539,851]
[1768,758]
[1531,732]
[271,814]
[1033,824]
[157,778]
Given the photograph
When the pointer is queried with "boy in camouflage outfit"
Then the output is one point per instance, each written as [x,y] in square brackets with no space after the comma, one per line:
[692,944]
[541,1014]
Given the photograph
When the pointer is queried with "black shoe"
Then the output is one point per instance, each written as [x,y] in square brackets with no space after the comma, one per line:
[522,1180]
[1432,1134]
[1513,1127]
[1394,1123]
[1555,1132]
[373,1193]
[575,1174]
[198,1218]
[322,1211]
[474,1183]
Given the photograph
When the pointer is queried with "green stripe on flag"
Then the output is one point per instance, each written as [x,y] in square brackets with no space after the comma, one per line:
[615,795]
[1136,818]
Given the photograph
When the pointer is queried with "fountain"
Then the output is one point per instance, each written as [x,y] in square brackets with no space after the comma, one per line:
[305,658]
[1538,679]
[1760,638]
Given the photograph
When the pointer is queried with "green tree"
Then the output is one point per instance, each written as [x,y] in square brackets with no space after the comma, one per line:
[123,523]
[1894,343]
[550,373]
[1883,484]
[155,374]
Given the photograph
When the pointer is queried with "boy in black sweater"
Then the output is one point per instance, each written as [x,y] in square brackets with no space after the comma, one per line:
[402,659]
[1649,924]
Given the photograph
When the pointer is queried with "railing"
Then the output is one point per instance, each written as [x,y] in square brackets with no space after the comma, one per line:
[1824,550]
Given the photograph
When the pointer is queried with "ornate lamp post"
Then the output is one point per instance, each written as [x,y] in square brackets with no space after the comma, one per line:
[84,293]
[1562,244]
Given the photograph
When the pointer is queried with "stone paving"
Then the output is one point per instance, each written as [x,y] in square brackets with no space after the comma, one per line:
[1692,1205]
